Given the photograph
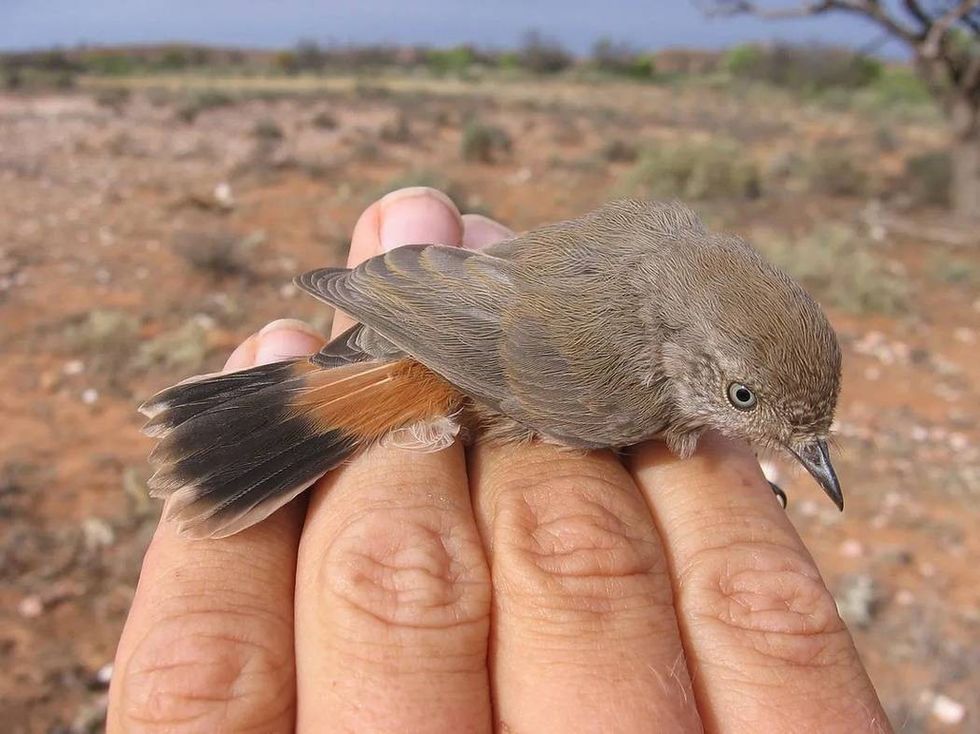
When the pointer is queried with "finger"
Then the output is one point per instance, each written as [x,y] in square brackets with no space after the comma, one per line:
[208,645]
[392,586]
[480,231]
[428,224]
[584,636]
[760,628]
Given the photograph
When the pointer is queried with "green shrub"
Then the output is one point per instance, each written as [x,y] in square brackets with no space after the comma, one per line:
[267,129]
[929,178]
[108,334]
[809,67]
[620,58]
[202,101]
[833,171]
[694,171]
[217,254]
[484,143]
[543,55]
[113,98]
[324,121]
[455,60]
[396,131]
[618,151]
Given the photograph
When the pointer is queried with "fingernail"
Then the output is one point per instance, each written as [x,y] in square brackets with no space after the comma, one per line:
[418,216]
[480,231]
[286,338]
[291,324]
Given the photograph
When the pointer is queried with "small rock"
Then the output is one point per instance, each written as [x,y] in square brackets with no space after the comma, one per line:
[857,600]
[851,548]
[97,533]
[948,710]
[223,195]
[90,396]
[31,607]
[73,367]
[904,597]
[103,676]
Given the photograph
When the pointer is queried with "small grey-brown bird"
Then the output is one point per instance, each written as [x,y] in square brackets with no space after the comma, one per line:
[632,322]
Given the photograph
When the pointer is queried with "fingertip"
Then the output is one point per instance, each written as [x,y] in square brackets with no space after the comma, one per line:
[418,216]
[243,356]
[284,339]
[480,231]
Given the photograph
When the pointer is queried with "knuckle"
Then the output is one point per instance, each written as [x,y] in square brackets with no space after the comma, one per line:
[769,597]
[410,568]
[190,674]
[591,553]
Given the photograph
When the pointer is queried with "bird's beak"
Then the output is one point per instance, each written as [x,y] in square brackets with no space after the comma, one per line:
[816,458]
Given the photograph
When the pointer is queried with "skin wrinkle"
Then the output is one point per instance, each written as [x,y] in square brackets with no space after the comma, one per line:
[164,680]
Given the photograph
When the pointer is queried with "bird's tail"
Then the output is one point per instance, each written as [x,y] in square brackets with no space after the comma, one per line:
[236,447]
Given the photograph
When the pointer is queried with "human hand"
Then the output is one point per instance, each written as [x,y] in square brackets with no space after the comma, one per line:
[517,588]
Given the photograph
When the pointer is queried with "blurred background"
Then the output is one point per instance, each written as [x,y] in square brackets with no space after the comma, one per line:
[167,168]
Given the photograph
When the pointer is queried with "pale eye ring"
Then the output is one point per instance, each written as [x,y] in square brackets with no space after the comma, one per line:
[741,396]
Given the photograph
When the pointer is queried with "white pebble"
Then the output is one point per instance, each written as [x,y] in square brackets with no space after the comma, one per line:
[964,335]
[30,607]
[104,674]
[904,597]
[851,548]
[74,367]
[948,710]
[90,395]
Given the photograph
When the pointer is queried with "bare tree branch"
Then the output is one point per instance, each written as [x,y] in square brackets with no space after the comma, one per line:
[937,33]
[736,7]
[916,11]
[871,9]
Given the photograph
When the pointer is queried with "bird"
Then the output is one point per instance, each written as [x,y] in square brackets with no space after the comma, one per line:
[632,322]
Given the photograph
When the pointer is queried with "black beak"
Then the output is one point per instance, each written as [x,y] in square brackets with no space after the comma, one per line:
[816,458]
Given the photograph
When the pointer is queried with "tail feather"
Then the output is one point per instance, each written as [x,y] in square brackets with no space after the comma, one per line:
[234,448]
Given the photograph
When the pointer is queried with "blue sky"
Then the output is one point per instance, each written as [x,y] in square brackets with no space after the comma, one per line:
[275,23]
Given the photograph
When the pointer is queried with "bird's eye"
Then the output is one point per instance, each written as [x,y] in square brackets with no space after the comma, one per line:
[741,396]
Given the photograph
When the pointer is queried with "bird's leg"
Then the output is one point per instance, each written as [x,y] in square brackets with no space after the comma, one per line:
[780,494]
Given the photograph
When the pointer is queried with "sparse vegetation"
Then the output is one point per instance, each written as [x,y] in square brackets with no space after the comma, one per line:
[103,333]
[323,120]
[693,171]
[953,270]
[842,270]
[202,101]
[217,254]
[397,130]
[929,178]
[834,170]
[268,129]
[807,68]
[618,151]
[184,348]
[113,98]
[483,143]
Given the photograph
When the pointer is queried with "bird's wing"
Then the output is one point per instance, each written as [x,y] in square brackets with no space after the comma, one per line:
[358,344]
[441,305]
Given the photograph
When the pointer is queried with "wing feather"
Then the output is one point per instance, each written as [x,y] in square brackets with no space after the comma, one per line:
[441,305]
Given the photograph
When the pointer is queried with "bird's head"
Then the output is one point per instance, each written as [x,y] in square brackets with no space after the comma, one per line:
[750,354]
